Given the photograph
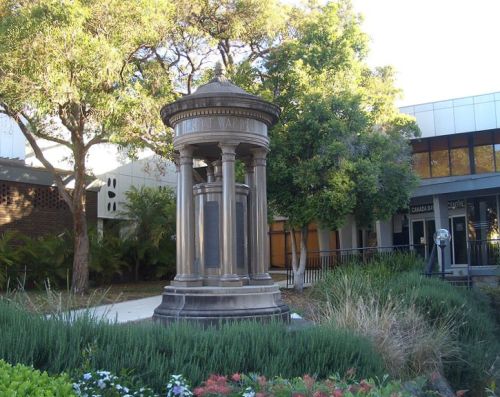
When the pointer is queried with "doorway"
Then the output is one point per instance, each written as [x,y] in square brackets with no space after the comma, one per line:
[423,235]
[458,240]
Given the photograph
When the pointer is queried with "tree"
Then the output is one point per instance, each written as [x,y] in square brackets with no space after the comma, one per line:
[151,213]
[80,73]
[340,147]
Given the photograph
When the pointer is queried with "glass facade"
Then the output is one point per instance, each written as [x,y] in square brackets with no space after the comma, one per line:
[455,155]
[482,227]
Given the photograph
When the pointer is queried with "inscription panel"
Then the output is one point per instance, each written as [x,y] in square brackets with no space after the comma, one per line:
[220,123]
[240,235]
[211,234]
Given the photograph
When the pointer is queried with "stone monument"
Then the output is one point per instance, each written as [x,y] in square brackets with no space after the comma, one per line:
[222,240]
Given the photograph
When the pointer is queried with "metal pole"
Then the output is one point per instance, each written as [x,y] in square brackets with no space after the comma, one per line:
[442,260]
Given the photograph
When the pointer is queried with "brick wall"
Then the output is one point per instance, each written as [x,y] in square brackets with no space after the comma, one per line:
[36,210]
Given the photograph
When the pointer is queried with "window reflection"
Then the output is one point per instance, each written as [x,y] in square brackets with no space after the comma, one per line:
[440,163]
[421,164]
[483,159]
[460,164]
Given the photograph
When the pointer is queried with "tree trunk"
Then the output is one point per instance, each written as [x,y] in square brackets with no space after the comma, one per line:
[80,279]
[79,283]
[299,269]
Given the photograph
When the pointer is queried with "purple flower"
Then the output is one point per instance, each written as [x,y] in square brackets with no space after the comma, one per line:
[178,390]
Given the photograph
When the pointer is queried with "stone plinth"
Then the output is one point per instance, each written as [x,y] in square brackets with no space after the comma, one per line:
[215,305]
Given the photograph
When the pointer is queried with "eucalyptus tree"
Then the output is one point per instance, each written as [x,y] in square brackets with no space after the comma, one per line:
[80,73]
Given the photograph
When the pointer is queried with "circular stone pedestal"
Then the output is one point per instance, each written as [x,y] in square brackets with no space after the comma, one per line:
[213,305]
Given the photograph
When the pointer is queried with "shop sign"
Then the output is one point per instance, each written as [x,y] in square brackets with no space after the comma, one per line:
[423,208]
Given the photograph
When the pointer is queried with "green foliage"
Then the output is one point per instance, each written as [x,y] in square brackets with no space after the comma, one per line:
[147,247]
[23,381]
[151,351]
[340,147]
[466,312]
[149,236]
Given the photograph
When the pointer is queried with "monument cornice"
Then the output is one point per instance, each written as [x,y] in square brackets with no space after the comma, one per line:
[241,105]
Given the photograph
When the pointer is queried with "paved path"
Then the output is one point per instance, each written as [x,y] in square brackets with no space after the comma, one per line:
[123,312]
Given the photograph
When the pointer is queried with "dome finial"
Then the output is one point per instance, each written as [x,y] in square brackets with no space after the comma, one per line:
[218,70]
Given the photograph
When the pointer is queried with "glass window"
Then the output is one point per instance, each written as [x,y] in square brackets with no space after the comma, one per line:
[440,161]
[460,164]
[483,159]
[496,150]
[421,164]
[483,230]
[459,154]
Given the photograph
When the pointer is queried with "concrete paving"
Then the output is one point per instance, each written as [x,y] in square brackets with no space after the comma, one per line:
[123,312]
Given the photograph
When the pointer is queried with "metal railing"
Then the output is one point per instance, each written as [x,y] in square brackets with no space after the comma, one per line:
[484,252]
[318,263]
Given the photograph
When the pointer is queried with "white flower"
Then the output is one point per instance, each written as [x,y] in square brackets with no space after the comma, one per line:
[87,376]
[248,392]
[101,384]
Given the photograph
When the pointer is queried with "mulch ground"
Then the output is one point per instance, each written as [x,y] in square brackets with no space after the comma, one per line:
[300,302]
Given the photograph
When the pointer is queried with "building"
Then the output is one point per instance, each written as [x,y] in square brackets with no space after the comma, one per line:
[458,160]
[22,175]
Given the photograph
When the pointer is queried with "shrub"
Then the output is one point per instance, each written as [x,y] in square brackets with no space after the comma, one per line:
[151,350]
[23,381]
[441,308]
[409,345]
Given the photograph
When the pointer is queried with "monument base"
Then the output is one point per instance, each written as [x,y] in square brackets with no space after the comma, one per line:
[215,305]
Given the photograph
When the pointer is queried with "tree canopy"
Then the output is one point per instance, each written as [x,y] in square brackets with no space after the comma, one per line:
[340,147]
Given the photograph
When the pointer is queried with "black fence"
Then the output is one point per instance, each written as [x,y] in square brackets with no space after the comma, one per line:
[320,262]
[484,252]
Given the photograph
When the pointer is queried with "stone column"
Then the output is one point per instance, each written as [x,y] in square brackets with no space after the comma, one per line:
[186,275]
[229,273]
[252,216]
[217,170]
[261,275]
[210,172]
[384,235]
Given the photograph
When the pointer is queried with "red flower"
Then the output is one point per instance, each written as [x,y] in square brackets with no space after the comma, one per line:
[260,394]
[461,393]
[338,393]
[319,393]
[365,387]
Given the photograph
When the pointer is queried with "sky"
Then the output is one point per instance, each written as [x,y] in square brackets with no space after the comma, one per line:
[441,49]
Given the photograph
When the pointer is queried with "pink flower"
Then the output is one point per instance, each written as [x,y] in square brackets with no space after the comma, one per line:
[236,377]
[461,393]
[350,372]
[308,381]
[262,381]
[319,393]
[338,393]
[260,394]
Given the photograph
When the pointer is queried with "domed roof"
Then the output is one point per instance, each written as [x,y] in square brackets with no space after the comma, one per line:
[219,85]
[219,93]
